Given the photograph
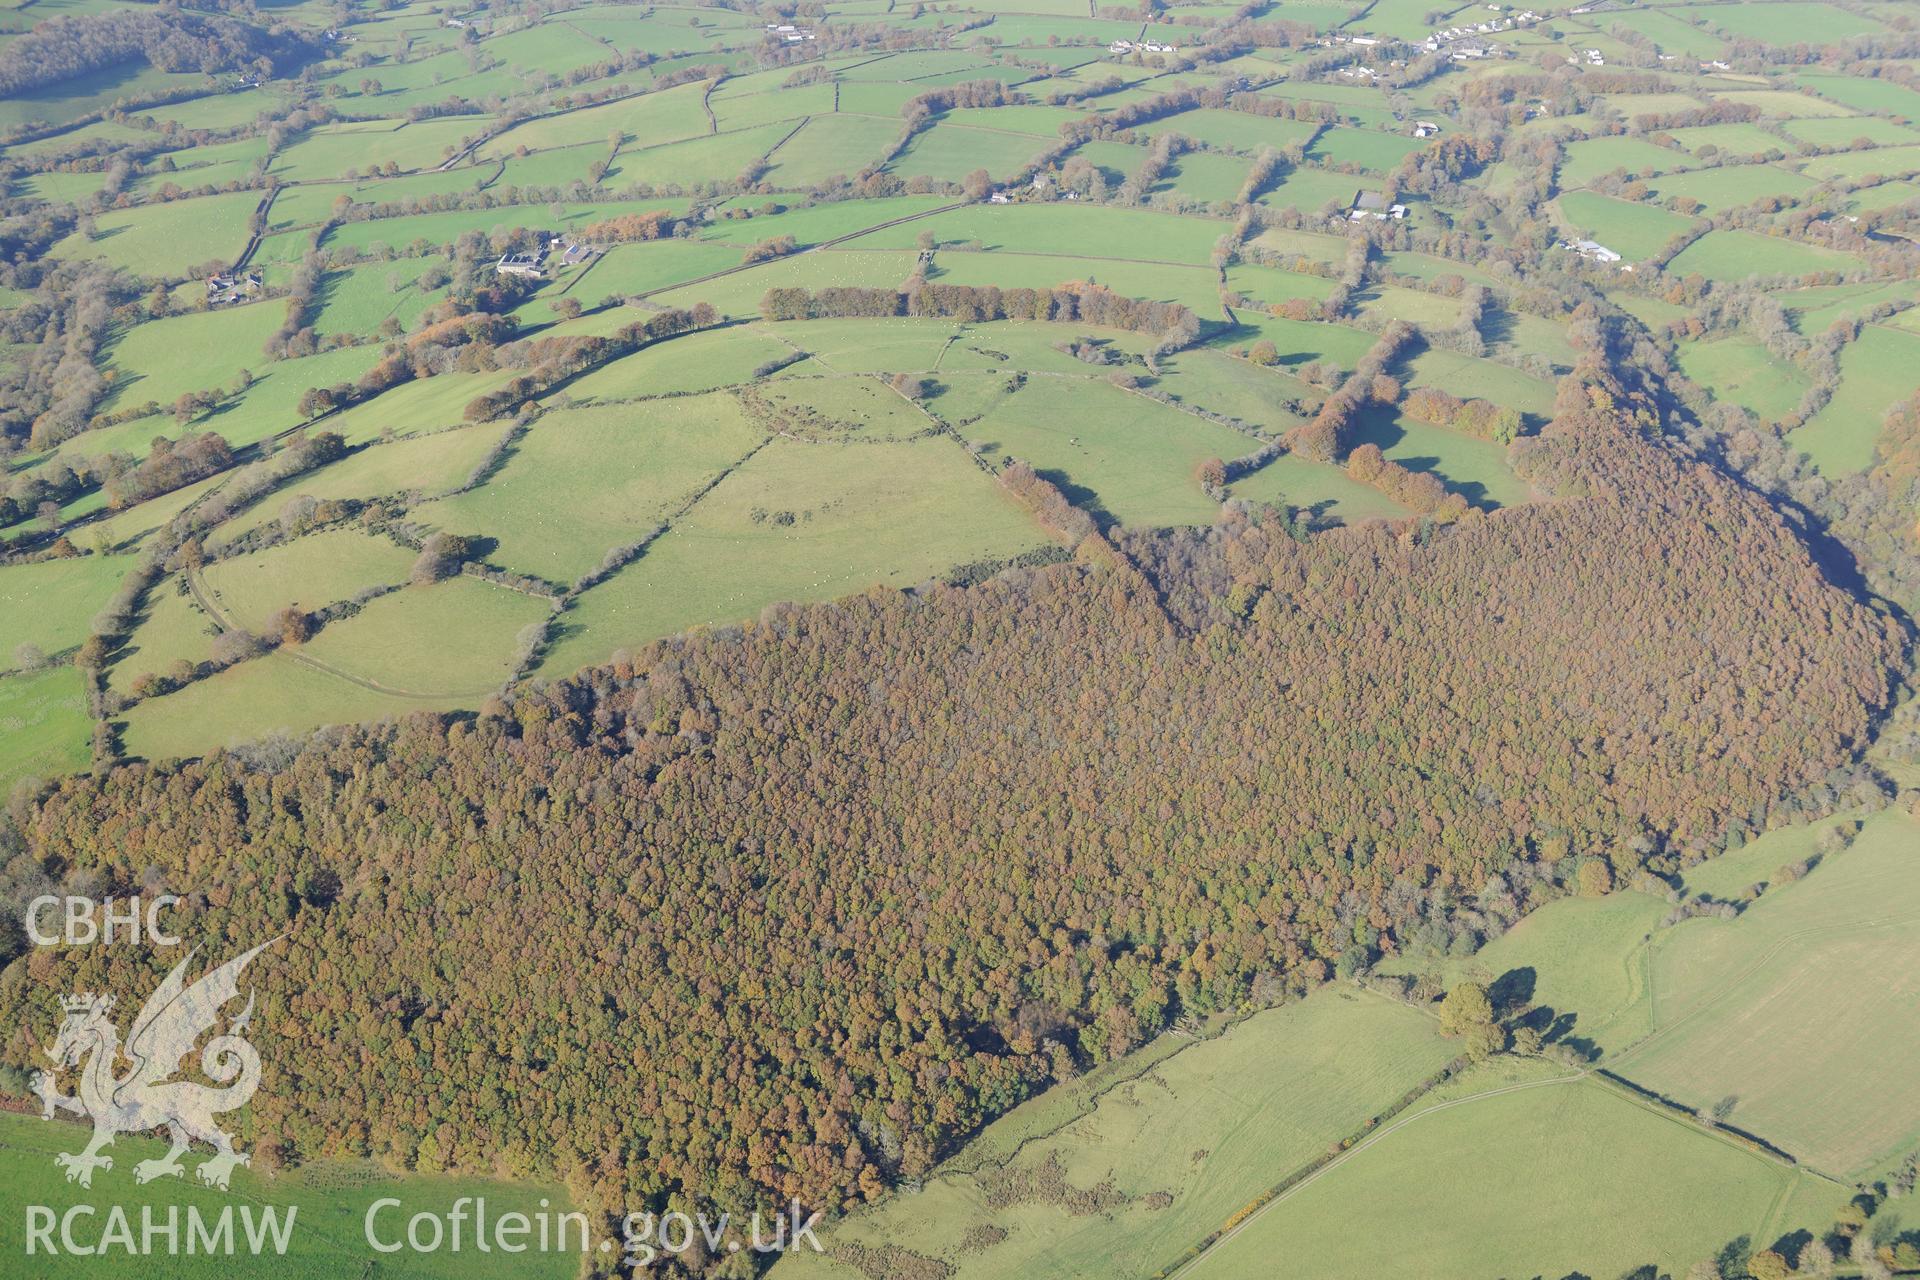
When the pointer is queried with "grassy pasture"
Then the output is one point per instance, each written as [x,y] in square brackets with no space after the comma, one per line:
[810,225]
[172,628]
[320,569]
[1300,341]
[1783,104]
[167,240]
[719,158]
[946,150]
[1863,93]
[629,269]
[50,604]
[1527,1208]
[1270,285]
[1736,255]
[452,639]
[829,145]
[1074,230]
[1789,22]
[799,521]
[1128,457]
[1385,303]
[1258,1101]
[582,481]
[1586,160]
[1846,132]
[1733,185]
[1234,130]
[331,150]
[1470,377]
[1194,286]
[1741,370]
[1854,165]
[1367,148]
[1876,372]
[1220,383]
[649,120]
[693,362]
[1205,175]
[1807,989]
[329,1198]
[1738,139]
[739,294]
[1309,189]
[1319,488]
[1635,231]
[1476,469]
[744,110]
[416,407]
[44,726]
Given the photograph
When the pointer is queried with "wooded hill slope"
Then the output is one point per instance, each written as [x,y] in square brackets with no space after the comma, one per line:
[792,910]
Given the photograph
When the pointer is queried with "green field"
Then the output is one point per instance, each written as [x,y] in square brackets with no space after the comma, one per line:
[44,725]
[50,604]
[583,481]
[1126,457]
[1502,1183]
[168,240]
[1808,987]
[1209,1125]
[1876,373]
[1476,469]
[1738,255]
[1741,370]
[310,572]
[1634,231]
[799,521]
[328,1201]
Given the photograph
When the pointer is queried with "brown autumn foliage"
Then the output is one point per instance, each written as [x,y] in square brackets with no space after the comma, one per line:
[795,908]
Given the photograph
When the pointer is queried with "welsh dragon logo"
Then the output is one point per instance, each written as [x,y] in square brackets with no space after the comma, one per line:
[166,1029]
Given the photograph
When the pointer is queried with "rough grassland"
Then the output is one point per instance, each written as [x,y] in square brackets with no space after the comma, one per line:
[1213,1126]
[583,481]
[799,521]
[1510,1185]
